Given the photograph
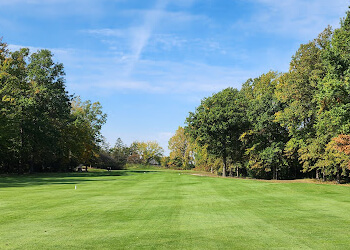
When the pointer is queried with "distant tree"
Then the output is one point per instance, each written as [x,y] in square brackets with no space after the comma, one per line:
[342,143]
[165,161]
[134,159]
[290,125]
[339,149]
[151,150]
[218,122]
[205,161]
[297,90]
[35,107]
[47,116]
[265,140]
[15,95]
[41,127]
[333,99]
[120,152]
[145,152]
[88,119]
[181,152]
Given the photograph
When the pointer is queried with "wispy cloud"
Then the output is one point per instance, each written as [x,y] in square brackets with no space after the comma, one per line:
[139,37]
[50,9]
[142,35]
[136,36]
[178,17]
[55,51]
[105,75]
[128,66]
[153,63]
[168,42]
[160,77]
[106,32]
[299,19]
[46,2]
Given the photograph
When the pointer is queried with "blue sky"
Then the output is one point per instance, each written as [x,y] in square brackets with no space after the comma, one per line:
[150,62]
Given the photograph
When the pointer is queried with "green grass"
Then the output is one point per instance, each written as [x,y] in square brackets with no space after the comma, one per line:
[142,167]
[168,210]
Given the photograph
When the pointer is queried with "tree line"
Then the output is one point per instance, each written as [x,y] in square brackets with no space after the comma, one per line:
[139,152]
[42,127]
[278,125]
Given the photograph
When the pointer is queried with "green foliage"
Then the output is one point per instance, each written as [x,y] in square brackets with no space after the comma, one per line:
[218,123]
[145,153]
[41,127]
[120,153]
[181,150]
[278,125]
[265,139]
[165,162]
[205,161]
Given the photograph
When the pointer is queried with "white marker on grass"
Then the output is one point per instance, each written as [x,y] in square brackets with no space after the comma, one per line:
[75,186]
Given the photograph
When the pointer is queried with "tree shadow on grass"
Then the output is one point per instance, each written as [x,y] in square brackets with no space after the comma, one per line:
[56,178]
[142,171]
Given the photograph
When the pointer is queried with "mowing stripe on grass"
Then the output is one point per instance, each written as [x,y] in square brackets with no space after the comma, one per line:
[167,209]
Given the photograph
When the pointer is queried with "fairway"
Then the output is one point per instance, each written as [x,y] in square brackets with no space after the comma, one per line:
[169,210]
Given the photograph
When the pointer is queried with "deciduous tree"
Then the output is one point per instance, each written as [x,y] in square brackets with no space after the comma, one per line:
[218,122]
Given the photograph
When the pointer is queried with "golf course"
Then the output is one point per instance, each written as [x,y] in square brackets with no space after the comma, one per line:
[168,209]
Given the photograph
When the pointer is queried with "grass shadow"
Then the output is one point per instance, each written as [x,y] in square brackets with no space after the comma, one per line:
[55,178]
[142,171]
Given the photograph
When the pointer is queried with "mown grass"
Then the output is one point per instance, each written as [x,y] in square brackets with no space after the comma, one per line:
[169,210]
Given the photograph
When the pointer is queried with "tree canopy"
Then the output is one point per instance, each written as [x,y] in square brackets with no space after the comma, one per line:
[218,122]
[42,127]
[285,125]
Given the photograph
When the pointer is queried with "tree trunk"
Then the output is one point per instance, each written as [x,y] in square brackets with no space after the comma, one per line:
[224,167]
[338,176]
[237,172]
[323,175]
[211,169]
[317,174]
[21,157]
[274,173]
[231,172]
[31,164]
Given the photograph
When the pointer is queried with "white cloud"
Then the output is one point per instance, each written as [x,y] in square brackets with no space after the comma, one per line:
[55,51]
[86,72]
[168,41]
[46,2]
[170,17]
[141,35]
[162,77]
[303,19]
[106,75]
[124,68]
[106,32]
[49,9]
